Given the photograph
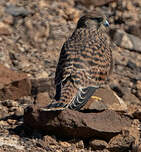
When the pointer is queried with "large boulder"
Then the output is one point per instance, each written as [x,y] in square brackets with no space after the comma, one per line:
[69,123]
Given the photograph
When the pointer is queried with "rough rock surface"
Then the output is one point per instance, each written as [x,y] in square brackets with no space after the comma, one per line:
[76,124]
[98,144]
[13,85]
[109,101]
[127,41]
[120,143]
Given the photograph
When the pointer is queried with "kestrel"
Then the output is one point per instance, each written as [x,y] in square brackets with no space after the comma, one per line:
[84,65]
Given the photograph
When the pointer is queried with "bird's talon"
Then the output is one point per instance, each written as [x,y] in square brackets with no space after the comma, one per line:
[96,98]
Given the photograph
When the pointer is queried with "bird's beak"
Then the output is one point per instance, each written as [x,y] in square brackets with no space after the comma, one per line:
[106,23]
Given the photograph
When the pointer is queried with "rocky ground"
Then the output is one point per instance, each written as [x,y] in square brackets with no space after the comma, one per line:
[31,36]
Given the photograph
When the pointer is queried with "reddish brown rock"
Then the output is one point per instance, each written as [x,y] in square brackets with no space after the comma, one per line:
[5,29]
[43,99]
[69,123]
[44,85]
[13,85]
[109,101]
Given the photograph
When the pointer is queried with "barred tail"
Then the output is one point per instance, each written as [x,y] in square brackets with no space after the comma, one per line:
[81,98]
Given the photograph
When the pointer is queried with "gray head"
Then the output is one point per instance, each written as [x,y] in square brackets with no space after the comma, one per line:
[95,19]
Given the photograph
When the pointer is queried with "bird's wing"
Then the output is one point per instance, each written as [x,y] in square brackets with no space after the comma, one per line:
[68,65]
[100,63]
[63,70]
[81,97]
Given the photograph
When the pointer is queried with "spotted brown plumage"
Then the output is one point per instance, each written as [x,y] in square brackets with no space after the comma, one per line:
[84,65]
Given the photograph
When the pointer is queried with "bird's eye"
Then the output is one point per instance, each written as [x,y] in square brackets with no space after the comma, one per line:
[99,19]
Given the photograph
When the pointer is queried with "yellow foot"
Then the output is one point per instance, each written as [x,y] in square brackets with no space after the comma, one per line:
[96,98]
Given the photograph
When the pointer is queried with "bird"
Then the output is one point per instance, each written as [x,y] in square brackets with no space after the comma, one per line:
[84,65]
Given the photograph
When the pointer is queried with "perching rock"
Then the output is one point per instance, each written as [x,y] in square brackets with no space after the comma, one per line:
[69,123]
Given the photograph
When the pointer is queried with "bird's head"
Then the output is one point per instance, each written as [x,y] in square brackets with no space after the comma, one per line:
[95,19]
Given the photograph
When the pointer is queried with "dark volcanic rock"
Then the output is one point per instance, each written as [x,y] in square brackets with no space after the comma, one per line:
[76,124]
[13,85]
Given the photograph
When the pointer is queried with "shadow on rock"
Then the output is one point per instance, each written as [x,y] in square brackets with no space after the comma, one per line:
[74,124]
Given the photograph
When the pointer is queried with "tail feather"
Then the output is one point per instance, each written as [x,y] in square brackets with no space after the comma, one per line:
[81,98]
[54,106]
[77,102]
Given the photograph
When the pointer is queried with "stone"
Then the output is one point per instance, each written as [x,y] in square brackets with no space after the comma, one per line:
[13,85]
[8,19]
[121,143]
[127,41]
[93,105]
[16,11]
[130,98]
[3,112]
[5,29]
[135,29]
[11,121]
[109,101]
[134,131]
[43,85]
[95,2]
[138,88]
[37,32]
[137,113]
[48,140]
[98,144]
[80,144]
[43,99]
[139,148]
[19,112]
[131,65]
[64,144]
[69,123]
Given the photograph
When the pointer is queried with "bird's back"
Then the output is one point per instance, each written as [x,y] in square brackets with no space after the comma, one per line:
[85,61]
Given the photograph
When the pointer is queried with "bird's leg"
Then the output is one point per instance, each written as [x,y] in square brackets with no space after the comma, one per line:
[96,98]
